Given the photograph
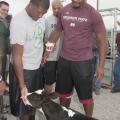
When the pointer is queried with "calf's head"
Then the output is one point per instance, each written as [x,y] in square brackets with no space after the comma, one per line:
[52,110]
[38,100]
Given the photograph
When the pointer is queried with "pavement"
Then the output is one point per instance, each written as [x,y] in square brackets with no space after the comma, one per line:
[106,106]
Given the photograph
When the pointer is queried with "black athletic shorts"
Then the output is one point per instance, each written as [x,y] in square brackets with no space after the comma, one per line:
[50,69]
[78,74]
[33,81]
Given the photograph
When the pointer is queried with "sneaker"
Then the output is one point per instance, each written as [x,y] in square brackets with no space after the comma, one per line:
[115,91]
[97,92]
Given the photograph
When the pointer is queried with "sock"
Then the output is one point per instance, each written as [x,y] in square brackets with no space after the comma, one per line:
[65,101]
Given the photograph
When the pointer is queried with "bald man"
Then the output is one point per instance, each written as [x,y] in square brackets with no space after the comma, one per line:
[50,67]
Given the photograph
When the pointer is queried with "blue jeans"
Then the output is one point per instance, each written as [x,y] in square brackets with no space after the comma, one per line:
[116,73]
[96,82]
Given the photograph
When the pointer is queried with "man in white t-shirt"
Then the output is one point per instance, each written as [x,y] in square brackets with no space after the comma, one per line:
[50,67]
[26,34]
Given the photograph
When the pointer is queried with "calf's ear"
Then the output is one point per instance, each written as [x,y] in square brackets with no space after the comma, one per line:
[53,95]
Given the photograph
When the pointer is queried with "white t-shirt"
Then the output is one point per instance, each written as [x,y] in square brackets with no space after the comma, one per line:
[50,24]
[29,33]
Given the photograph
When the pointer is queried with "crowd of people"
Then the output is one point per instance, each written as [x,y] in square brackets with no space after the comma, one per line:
[57,49]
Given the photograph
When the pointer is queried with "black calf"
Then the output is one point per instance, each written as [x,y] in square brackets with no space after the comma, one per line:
[52,110]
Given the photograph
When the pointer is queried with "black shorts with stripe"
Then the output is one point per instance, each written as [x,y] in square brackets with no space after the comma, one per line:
[78,74]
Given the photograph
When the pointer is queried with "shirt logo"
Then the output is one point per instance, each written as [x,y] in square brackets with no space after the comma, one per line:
[72,24]
[38,35]
[67,13]
[78,19]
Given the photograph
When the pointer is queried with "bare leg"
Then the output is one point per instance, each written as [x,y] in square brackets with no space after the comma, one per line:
[27,117]
[88,109]
[65,101]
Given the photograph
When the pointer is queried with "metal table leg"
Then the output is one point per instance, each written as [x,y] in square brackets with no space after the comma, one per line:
[2,109]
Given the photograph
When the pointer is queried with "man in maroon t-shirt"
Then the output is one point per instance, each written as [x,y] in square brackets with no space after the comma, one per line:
[78,21]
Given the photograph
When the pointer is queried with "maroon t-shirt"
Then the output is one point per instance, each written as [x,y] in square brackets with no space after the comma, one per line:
[118,41]
[78,26]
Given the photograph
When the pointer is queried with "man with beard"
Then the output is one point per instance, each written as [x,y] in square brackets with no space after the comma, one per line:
[78,21]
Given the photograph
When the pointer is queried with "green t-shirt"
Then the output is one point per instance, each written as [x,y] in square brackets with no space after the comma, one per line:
[4,36]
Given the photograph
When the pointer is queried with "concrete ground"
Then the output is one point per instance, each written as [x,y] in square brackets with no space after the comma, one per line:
[106,106]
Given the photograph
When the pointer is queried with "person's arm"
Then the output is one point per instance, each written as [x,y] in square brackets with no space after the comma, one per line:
[100,31]
[102,54]
[17,53]
[55,35]
[2,82]
[2,86]
[17,41]
[53,39]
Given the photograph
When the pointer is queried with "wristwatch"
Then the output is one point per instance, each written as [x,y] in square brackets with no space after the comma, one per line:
[0,78]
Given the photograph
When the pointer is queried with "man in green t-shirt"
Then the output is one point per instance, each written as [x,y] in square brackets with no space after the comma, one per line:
[4,34]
